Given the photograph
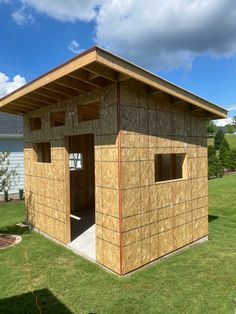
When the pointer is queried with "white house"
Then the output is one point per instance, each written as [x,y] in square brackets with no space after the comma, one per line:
[11,140]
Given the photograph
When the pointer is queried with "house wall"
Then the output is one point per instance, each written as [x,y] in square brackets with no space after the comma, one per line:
[47,185]
[16,158]
[158,218]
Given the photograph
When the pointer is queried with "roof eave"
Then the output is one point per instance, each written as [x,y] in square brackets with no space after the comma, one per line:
[120,66]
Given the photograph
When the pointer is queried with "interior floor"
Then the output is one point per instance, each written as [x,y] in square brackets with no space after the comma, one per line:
[83,233]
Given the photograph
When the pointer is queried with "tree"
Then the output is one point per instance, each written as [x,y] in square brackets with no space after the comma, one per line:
[211,151]
[219,137]
[8,177]
[223,151]
[211,128]
[228,158]
[230,128]
[234,120]
[215,167]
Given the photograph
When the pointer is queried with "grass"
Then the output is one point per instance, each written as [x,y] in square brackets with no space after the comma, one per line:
[199,280]
[231,139]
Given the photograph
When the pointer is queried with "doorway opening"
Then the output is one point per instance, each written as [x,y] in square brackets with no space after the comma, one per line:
[82,194]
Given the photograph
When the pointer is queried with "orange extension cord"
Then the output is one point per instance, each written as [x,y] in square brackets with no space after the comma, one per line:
[27,270]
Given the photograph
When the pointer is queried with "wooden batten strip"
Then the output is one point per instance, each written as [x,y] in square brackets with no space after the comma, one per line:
[119,139]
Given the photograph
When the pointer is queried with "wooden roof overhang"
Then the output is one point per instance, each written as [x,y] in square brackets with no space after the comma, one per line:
[93,69]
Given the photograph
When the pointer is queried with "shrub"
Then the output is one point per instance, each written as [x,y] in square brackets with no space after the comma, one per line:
[215,167]
[230,128]
[219,137]
[211,128]
[211,150]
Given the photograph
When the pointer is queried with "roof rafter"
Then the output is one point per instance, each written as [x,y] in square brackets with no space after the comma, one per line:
[83,75]
[49,93]
[72,83]
[98,69]
[43,98]
[59,88]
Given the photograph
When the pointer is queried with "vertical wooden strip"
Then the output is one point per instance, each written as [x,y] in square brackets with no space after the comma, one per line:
[119,178]
[67,189]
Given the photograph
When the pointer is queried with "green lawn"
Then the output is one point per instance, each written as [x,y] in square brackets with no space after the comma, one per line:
[231,139]
[199,280]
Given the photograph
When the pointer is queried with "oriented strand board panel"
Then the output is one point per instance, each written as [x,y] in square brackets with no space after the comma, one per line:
[138,220]
[160,217]
[46,184]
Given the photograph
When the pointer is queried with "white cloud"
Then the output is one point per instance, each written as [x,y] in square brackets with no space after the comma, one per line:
[223,122]
[156,34]
[22,17]
[232,108]
[74,47]
[7,86]
[167,33]
[66,10]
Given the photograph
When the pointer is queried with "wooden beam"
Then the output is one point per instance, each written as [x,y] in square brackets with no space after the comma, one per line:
[52,94]
[12,109]
[8,110]
[93,75]
[20,104]
[44,98]
[199,111]
[83,75]
[79,86]
[69,92]
[179,102]
[123,77]
[154,91]
[99,69]
[32,102]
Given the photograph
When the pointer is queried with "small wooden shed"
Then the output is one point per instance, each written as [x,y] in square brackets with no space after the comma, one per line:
[111,147]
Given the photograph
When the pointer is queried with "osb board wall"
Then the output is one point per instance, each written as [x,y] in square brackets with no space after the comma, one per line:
[158,218]
[46,185]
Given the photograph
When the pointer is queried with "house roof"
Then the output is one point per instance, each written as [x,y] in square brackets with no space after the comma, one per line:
[10,124]
[92,69]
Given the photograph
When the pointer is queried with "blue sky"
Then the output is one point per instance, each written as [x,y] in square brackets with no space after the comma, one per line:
[194,51]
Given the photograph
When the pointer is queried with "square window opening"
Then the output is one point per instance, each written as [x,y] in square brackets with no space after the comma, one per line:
[35,124]
[43,152]
[76,161]
[88,112]
[57,118]
[169,167]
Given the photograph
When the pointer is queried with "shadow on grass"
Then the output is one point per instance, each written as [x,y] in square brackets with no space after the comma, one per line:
[14,229]
[39,301]
[212,217]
